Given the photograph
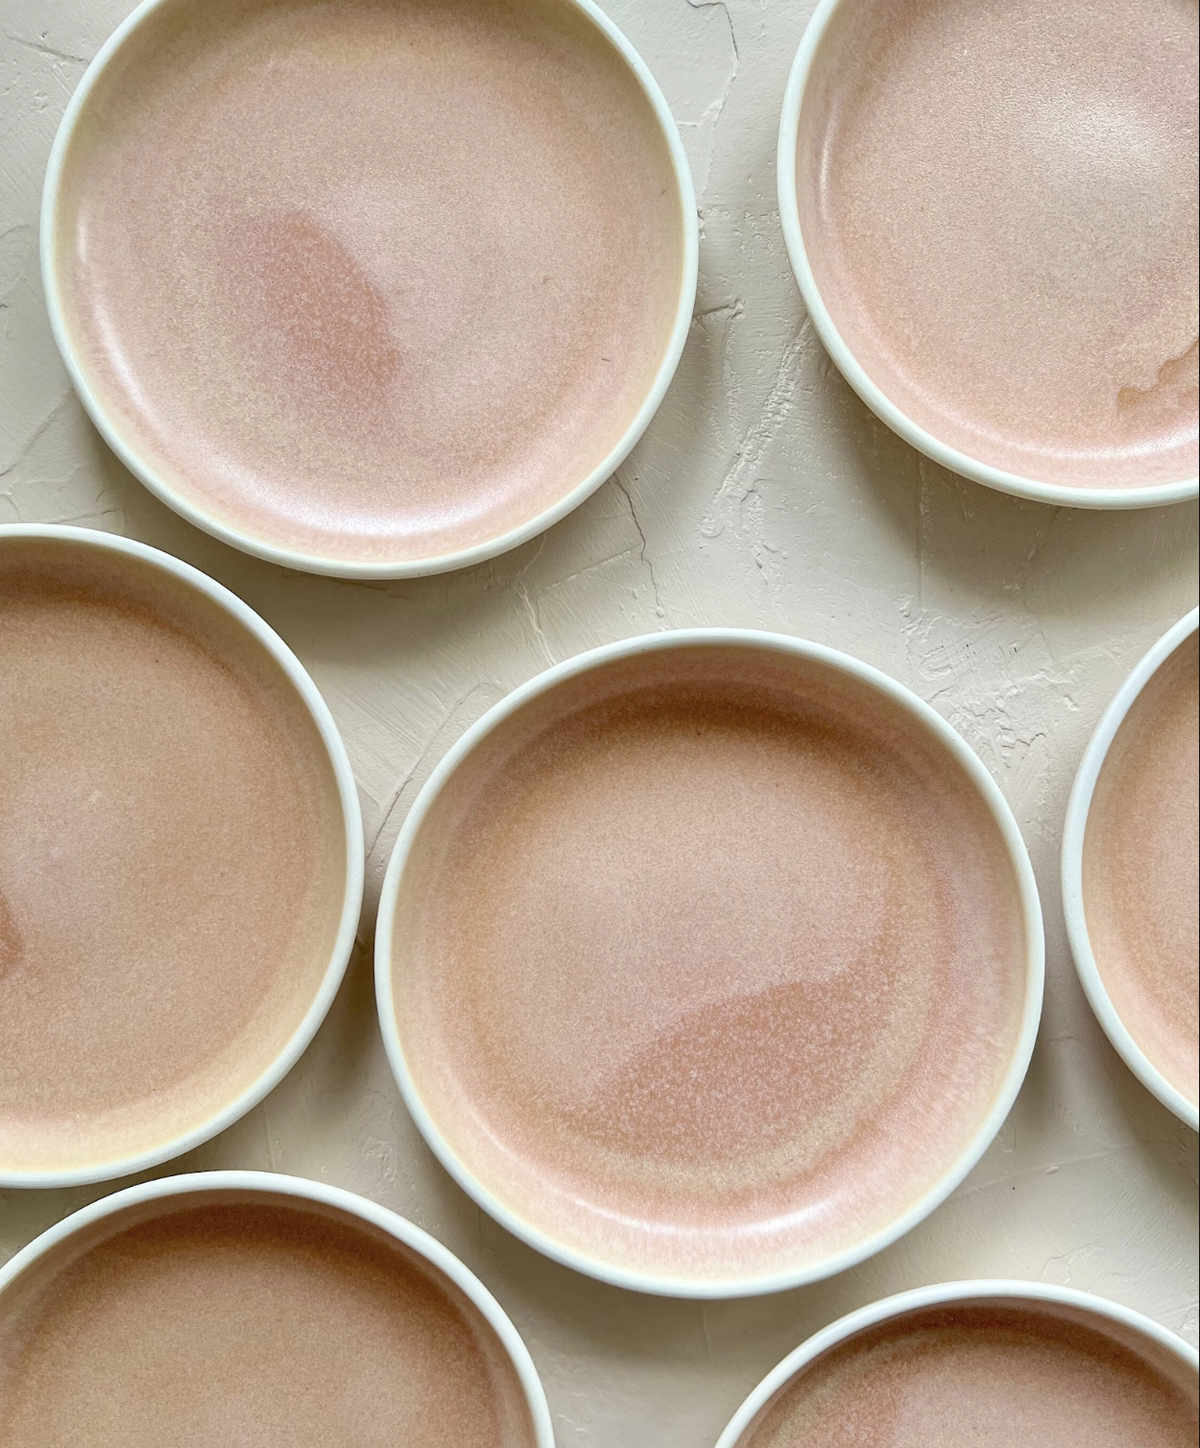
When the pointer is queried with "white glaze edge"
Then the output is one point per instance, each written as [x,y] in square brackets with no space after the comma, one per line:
[1033,948]
[853,371]
[1072,873]
[950,1292]
[289,1186]
[342,568]
[318,710]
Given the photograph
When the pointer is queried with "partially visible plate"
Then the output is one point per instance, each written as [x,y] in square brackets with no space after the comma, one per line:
[991,208]
[1131,857]
[181,857]
[989,1364]
[246,1308]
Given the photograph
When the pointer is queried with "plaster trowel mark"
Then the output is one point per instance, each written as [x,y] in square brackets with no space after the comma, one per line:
[743,474]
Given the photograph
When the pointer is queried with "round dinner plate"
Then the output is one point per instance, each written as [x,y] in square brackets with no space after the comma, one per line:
[1131,855]
[181,857]
[991,209]
[251,1308]
[995,1364]
[709,962]
[373,289]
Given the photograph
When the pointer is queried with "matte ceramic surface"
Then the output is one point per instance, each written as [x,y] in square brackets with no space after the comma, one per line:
[709,962]
[374,289]
[993,1364]
[1131,857]
[991,208]
[253,1308]
[180,857]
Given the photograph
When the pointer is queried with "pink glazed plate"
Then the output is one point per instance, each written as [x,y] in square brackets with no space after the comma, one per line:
[249,1308]
[374,289]
[709,962]
[990,1364]
[991,209]
[1131,855]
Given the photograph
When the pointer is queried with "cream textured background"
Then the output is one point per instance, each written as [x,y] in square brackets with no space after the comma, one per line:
[763,495]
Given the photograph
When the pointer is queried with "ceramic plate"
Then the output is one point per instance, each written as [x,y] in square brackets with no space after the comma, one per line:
[1131,853]
[992,1364]
[991,208]
[378,288]
[180,857]
[709,962]
[250,1308]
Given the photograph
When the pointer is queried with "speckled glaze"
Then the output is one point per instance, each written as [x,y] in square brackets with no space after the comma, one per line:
[762,495]
[1141,859]
[255,1319]
[708,963]
[988,1375]
[998,203]
[371,284]
[173,858]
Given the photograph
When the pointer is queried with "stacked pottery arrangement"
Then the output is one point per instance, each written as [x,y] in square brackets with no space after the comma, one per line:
[709,962]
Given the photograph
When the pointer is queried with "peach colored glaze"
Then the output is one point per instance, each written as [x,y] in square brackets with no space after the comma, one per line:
[1141,858]
[253,1326]
[999,202]
[709,962]
[981,1377]
[172,858]
[373,280]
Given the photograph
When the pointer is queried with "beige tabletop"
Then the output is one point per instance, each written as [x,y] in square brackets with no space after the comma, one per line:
[764,495]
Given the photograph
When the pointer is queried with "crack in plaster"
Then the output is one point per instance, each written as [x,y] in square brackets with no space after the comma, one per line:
[537,553]
[408,778]
[41,48]
[641,532]
[708,1347]
[36,435]
[714,108]
[587,568]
